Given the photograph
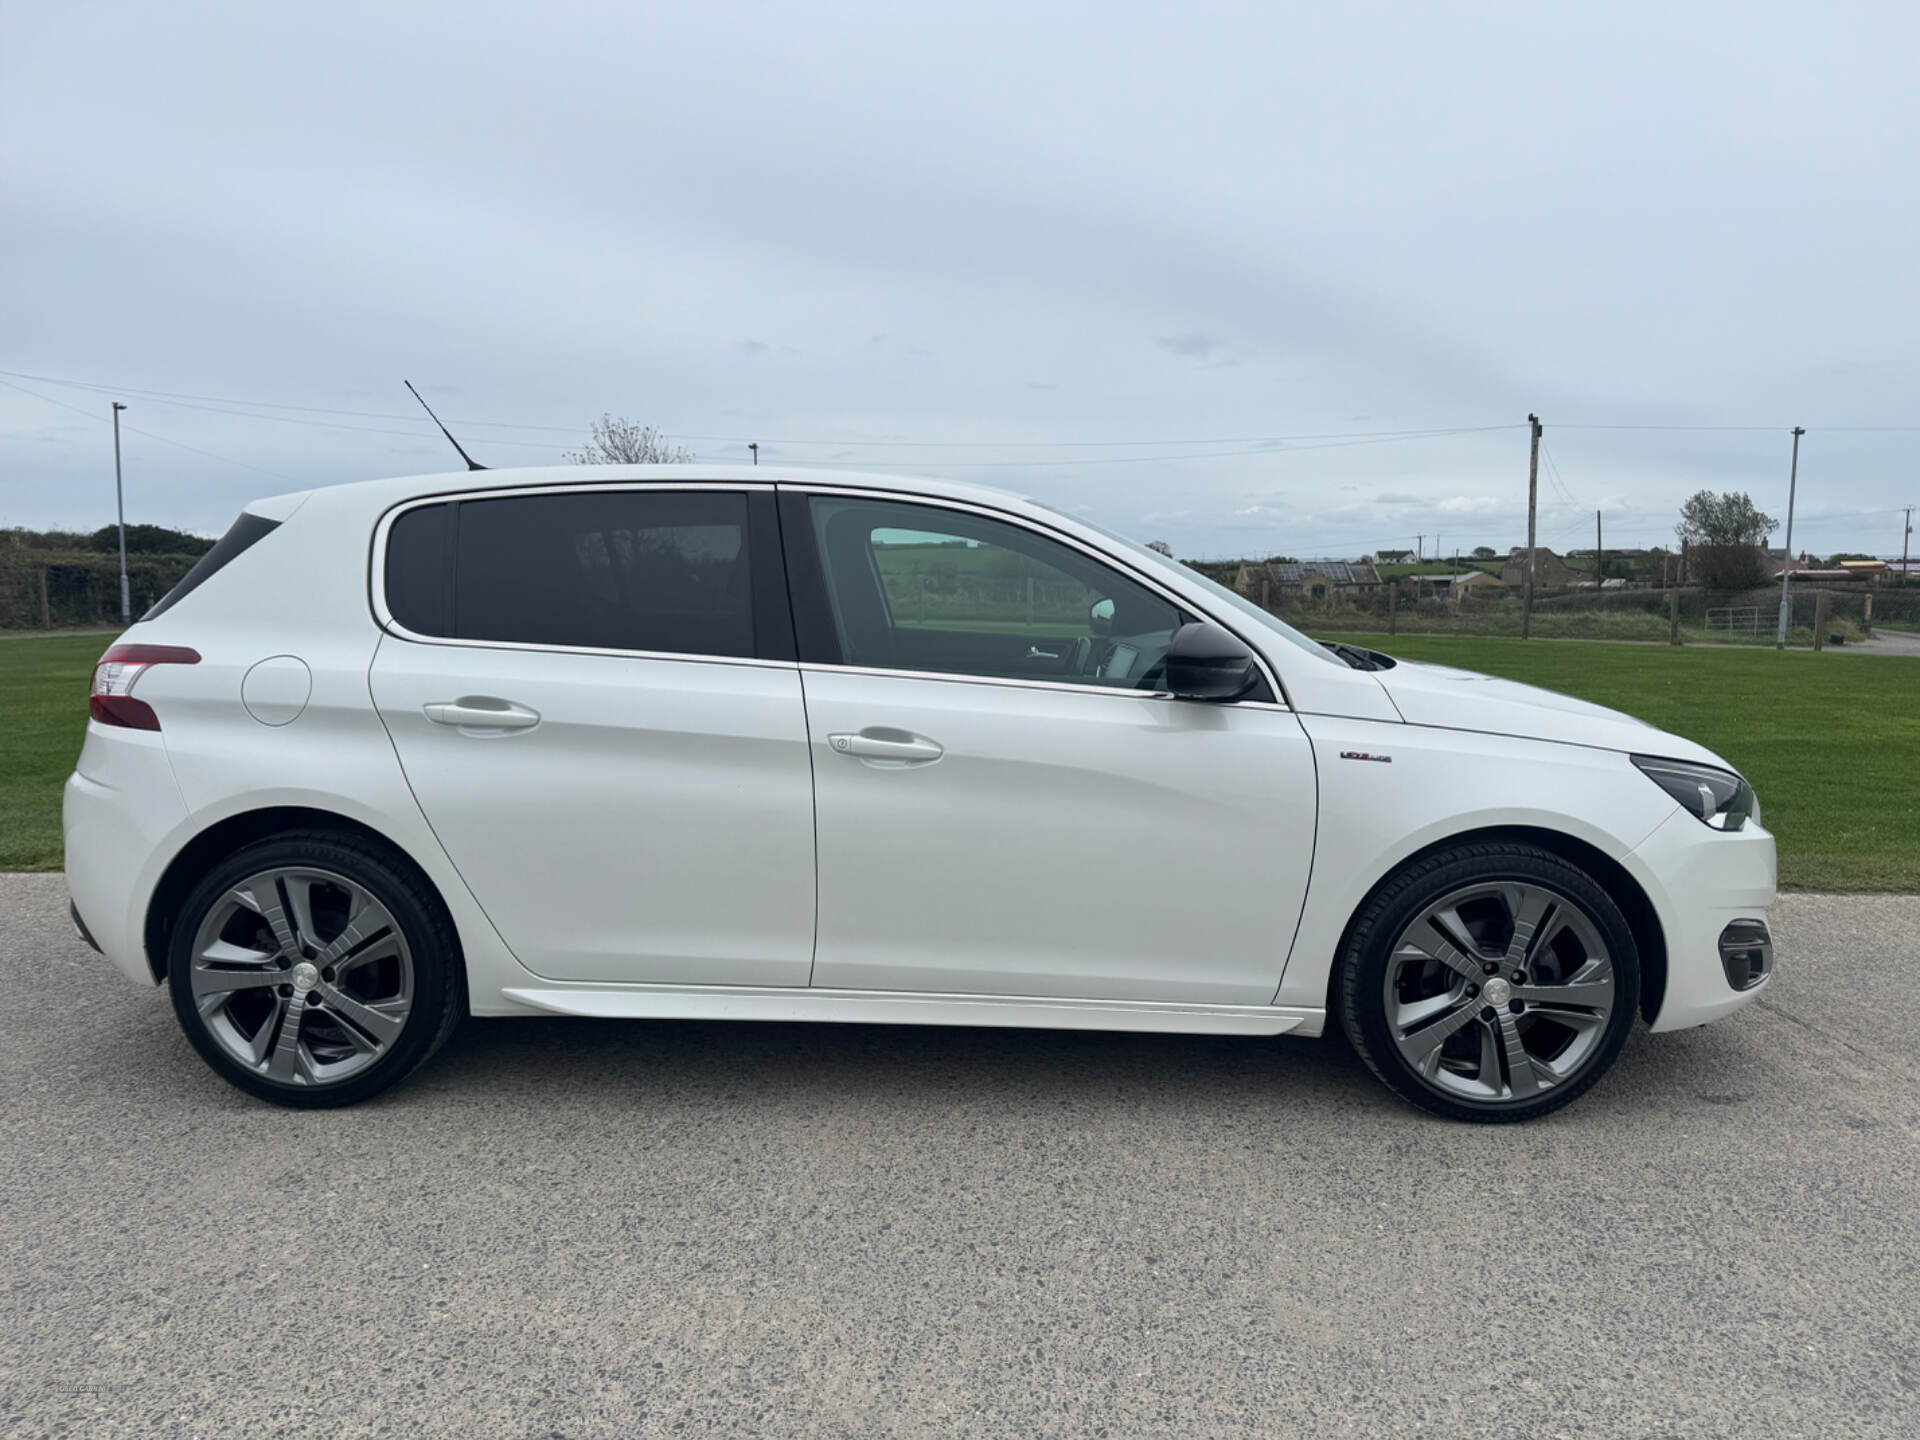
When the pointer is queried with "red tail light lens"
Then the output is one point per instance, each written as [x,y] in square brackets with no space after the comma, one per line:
[111,700]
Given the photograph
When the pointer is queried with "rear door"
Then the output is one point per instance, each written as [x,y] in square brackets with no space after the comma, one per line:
[1006,804]
[593,695]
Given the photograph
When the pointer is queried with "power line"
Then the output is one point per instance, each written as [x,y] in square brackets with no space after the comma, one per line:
[177,395]
[1031,463]
[1767,429]
[1257,440]
[212,402]
[164,440]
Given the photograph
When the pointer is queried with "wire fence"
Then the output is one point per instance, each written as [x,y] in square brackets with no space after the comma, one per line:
[1845,615]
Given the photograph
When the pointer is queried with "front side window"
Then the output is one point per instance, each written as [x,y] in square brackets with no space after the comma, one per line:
[665,571]
[921,587]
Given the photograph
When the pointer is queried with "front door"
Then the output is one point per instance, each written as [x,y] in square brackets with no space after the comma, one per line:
[587,692]
[1005,803]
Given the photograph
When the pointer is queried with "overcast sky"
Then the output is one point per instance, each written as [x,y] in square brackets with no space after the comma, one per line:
[1002,228]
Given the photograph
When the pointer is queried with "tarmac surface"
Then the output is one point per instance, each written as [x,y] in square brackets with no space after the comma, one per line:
[574,1228]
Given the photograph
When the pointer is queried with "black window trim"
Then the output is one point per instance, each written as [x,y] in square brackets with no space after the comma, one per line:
[773,629]
[246,531]
[819,641]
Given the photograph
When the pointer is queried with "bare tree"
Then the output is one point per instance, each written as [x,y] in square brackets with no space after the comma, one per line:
[618,441]
[1162,546]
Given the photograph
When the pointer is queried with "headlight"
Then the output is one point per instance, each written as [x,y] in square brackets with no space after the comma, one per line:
[1713,796]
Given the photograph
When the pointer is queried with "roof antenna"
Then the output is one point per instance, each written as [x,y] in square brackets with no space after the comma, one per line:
[472,464]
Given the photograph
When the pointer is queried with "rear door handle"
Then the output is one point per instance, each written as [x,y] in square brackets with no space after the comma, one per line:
[895,745]
[481,712]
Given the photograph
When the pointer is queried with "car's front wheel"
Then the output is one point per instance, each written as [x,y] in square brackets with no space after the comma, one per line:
[1490,982]
[315,969]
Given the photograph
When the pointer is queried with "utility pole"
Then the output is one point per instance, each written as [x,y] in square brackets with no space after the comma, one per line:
[1419,544]
[120,505]
[754,446]
[1599,556]
[1786,570]
[1533,511]
[1906,539]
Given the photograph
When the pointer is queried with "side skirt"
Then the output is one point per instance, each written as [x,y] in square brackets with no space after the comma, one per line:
[879,1007]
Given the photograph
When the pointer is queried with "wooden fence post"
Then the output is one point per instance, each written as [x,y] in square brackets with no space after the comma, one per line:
[1673,617]
[1393,607]
[1866,613]
[1266,594]
[46,606]
[1819,619]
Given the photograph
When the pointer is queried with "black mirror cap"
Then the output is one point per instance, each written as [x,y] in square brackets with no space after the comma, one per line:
[1204,662]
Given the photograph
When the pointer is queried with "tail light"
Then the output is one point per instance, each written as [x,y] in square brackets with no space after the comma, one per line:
[111,701]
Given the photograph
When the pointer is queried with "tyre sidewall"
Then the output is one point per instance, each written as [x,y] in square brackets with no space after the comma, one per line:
[436,979]
[1364,1006]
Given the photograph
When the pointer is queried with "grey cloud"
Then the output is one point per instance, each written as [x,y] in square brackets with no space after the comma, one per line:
[1194,344]
[1388,276]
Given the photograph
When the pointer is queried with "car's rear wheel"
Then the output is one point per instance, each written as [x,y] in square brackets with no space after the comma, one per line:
[1490,982]
[315,969]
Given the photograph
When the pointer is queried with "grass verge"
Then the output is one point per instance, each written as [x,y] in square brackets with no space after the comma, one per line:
[43,718]
[1831,744]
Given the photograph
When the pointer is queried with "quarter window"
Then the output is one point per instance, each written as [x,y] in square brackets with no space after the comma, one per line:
[665,571]
[916,587]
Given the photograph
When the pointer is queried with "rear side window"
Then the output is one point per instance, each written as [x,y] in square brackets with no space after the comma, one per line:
[667,571]
[242,535]
[419,575]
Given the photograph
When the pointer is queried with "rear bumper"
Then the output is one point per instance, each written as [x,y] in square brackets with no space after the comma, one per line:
[1700,881]
[120,805]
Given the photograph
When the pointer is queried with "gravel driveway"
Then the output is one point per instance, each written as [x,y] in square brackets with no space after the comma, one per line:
[572,1228]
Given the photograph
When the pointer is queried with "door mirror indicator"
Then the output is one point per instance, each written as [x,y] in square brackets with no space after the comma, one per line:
[1206,663]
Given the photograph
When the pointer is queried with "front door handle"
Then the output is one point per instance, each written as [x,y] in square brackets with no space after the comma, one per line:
[481,712]
[896,745]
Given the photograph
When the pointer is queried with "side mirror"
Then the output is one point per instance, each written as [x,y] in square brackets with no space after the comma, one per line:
[1100,618]
[1204,662]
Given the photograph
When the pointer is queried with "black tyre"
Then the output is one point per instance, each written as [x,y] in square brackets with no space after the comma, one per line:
[1490,982]
[315,969]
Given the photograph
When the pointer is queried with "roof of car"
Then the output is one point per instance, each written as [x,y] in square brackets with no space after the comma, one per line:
[403,487]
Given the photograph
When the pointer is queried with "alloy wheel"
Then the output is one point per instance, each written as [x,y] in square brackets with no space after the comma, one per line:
[301,976]
[1499,992]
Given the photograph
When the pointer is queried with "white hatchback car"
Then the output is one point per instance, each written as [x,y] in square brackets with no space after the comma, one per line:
[754,744]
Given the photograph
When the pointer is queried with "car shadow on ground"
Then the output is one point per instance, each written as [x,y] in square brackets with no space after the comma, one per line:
[610,1065]
[608,1060]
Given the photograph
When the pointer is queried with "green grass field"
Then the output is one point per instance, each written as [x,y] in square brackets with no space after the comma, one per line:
[43,717]
[1831,742]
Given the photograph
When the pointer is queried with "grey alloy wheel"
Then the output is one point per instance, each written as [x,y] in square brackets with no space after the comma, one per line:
[301,976]
[1499,992]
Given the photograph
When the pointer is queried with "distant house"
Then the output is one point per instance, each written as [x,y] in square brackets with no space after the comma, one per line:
[1395,557]
[1307,579]
[1451,587]
[1847,570]
[1550,572]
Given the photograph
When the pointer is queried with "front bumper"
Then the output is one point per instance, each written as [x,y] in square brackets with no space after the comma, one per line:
[1701,881]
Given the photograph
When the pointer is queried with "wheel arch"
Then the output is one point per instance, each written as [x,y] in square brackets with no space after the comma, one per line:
[224,836]
[1609,874]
